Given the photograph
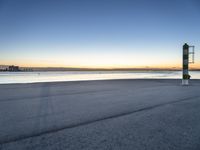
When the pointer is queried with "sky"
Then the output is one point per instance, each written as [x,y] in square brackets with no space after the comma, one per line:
[98,33]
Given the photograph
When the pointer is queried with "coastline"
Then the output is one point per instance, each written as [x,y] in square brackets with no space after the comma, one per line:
[34,77]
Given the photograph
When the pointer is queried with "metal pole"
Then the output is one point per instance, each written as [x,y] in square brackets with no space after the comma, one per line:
[186,76]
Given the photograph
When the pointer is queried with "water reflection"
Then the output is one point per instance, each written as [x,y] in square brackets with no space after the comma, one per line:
[29,77]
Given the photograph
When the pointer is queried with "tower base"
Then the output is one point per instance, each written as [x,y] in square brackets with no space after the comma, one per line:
[185,82]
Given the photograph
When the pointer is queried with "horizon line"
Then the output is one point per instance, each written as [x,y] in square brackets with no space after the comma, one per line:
[42,68]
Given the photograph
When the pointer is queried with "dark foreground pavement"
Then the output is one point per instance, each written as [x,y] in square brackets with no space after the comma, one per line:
[112,114]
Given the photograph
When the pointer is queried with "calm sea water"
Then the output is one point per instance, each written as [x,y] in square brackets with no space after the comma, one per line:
[29,77]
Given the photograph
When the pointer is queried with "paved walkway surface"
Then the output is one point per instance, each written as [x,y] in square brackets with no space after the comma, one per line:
[109,114]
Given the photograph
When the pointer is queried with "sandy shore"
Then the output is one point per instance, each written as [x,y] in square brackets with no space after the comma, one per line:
[108,114]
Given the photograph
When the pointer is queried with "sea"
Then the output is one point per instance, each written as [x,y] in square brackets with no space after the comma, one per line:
[52,76]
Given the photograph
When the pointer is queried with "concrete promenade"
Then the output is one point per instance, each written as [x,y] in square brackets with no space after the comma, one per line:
[145,114]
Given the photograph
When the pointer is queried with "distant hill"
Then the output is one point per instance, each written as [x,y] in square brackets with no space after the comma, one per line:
[99,69]
[96,69]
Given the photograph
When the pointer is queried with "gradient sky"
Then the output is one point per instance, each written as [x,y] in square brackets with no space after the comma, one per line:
[98,33]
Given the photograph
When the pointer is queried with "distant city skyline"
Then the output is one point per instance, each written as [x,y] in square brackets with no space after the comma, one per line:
[98,34]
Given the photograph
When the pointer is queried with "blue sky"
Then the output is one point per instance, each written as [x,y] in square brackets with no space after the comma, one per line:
[98,33]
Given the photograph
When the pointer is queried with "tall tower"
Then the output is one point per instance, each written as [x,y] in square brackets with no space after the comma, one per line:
[186,53]
[186,75]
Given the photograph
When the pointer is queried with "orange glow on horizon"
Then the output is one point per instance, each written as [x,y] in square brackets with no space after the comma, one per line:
[57,65]
[103,62]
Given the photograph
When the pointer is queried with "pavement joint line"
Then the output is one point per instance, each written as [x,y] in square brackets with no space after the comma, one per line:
[60,94]
[23,137]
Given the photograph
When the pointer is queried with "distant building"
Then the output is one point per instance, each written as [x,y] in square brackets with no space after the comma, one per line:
[3,68]
[13,68]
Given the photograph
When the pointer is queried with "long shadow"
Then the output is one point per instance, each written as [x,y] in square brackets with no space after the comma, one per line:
[74,125]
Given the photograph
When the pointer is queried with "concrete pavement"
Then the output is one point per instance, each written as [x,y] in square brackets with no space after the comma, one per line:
[108,114]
